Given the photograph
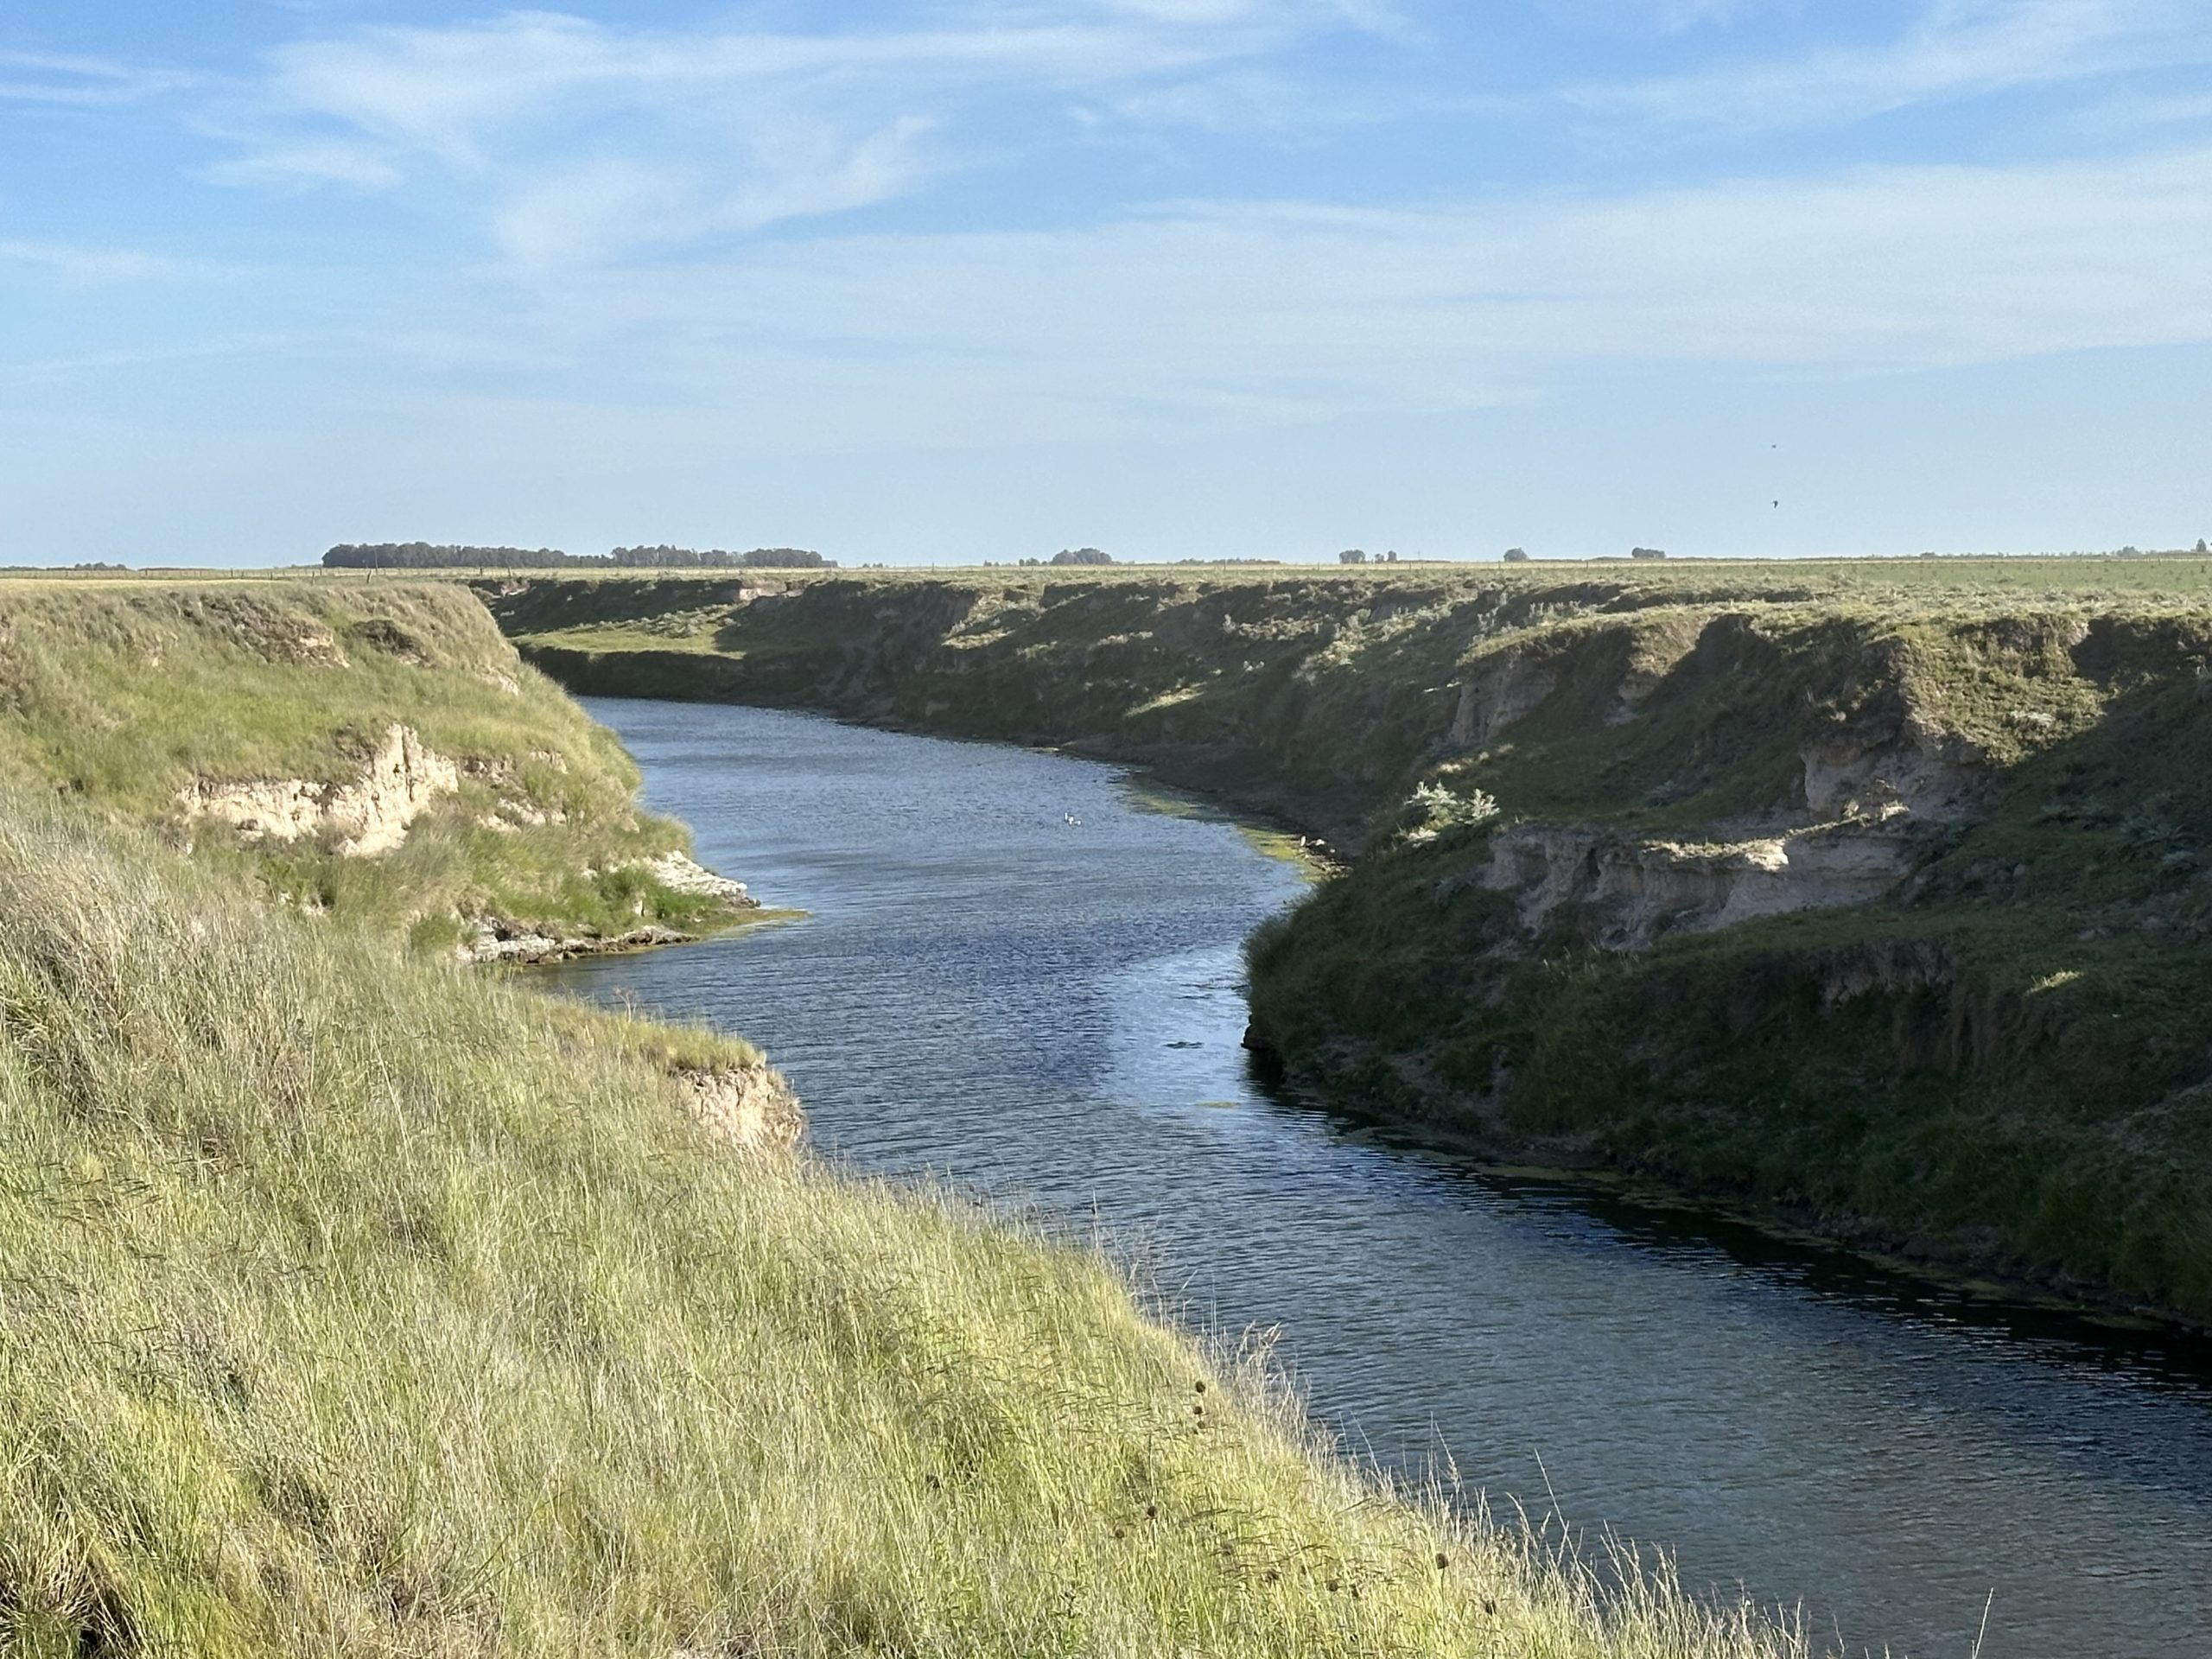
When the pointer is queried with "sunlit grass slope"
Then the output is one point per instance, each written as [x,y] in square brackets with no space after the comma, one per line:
[354,1303]
[122,695]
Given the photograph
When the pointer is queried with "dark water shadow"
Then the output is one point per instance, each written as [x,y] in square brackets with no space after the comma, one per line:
[2173,1359]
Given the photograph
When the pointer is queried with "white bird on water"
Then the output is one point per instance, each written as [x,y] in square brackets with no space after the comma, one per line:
[1071,818]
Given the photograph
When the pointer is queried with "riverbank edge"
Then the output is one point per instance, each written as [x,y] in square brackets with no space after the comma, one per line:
[1342,1074]
[1927,1261]
[545,950]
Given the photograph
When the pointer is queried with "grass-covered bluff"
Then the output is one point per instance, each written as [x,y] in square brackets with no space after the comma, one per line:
[353,1300]
[379,754]
[1875,895]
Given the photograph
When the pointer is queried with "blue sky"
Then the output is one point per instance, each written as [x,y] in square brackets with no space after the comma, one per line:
[933,280]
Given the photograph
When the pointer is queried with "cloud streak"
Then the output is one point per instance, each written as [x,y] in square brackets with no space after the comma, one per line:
[78,264]
[1242,314]
[574,141]
[82,80]
[1957,50]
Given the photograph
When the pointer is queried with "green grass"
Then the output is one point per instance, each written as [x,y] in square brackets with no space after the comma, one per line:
[119,694]
[353,1303]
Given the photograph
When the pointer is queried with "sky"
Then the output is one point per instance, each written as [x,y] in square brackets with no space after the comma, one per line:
[942,280]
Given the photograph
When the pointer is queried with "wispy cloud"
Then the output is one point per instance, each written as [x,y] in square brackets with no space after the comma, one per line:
[1665,16]
[95,264]
[309,164]
[58,78]
[1242,315]
[1955,50]
[577,140]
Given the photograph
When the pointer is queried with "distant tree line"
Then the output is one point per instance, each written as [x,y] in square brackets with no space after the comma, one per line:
[687,559]
[1075,555]
[427,556]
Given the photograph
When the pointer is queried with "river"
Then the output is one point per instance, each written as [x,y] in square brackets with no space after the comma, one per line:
[1021,972]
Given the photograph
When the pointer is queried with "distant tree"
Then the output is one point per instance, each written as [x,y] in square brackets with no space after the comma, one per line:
[1391,557]
[1647,553]
[1516,556]
[1352,555]
[2200,547]
[1081,555]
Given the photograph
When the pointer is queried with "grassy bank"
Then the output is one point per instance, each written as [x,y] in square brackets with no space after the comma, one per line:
[248,720]
[356,1302]
[1872,894]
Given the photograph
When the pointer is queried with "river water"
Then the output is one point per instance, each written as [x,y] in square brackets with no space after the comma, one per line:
[1019,971]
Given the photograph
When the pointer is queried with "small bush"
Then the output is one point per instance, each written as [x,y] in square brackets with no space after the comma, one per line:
[1431,809]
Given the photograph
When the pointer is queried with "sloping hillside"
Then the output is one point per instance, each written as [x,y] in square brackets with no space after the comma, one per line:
[378,752]
[1899,924]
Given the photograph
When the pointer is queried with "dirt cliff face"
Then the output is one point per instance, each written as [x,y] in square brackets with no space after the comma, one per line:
[1505,686]
[1644,888]
[750,1108]
[374,750]
[365,815]
[1687,773]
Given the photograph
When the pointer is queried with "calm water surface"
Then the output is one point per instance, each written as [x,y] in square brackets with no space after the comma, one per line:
[1050,1012]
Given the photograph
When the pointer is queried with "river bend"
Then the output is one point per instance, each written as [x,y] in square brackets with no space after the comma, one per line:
[1020,971]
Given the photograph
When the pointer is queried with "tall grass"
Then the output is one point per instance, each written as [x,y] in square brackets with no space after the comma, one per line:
[351,1304]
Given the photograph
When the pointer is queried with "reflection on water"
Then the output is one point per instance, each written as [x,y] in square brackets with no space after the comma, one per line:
[1050,1010]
